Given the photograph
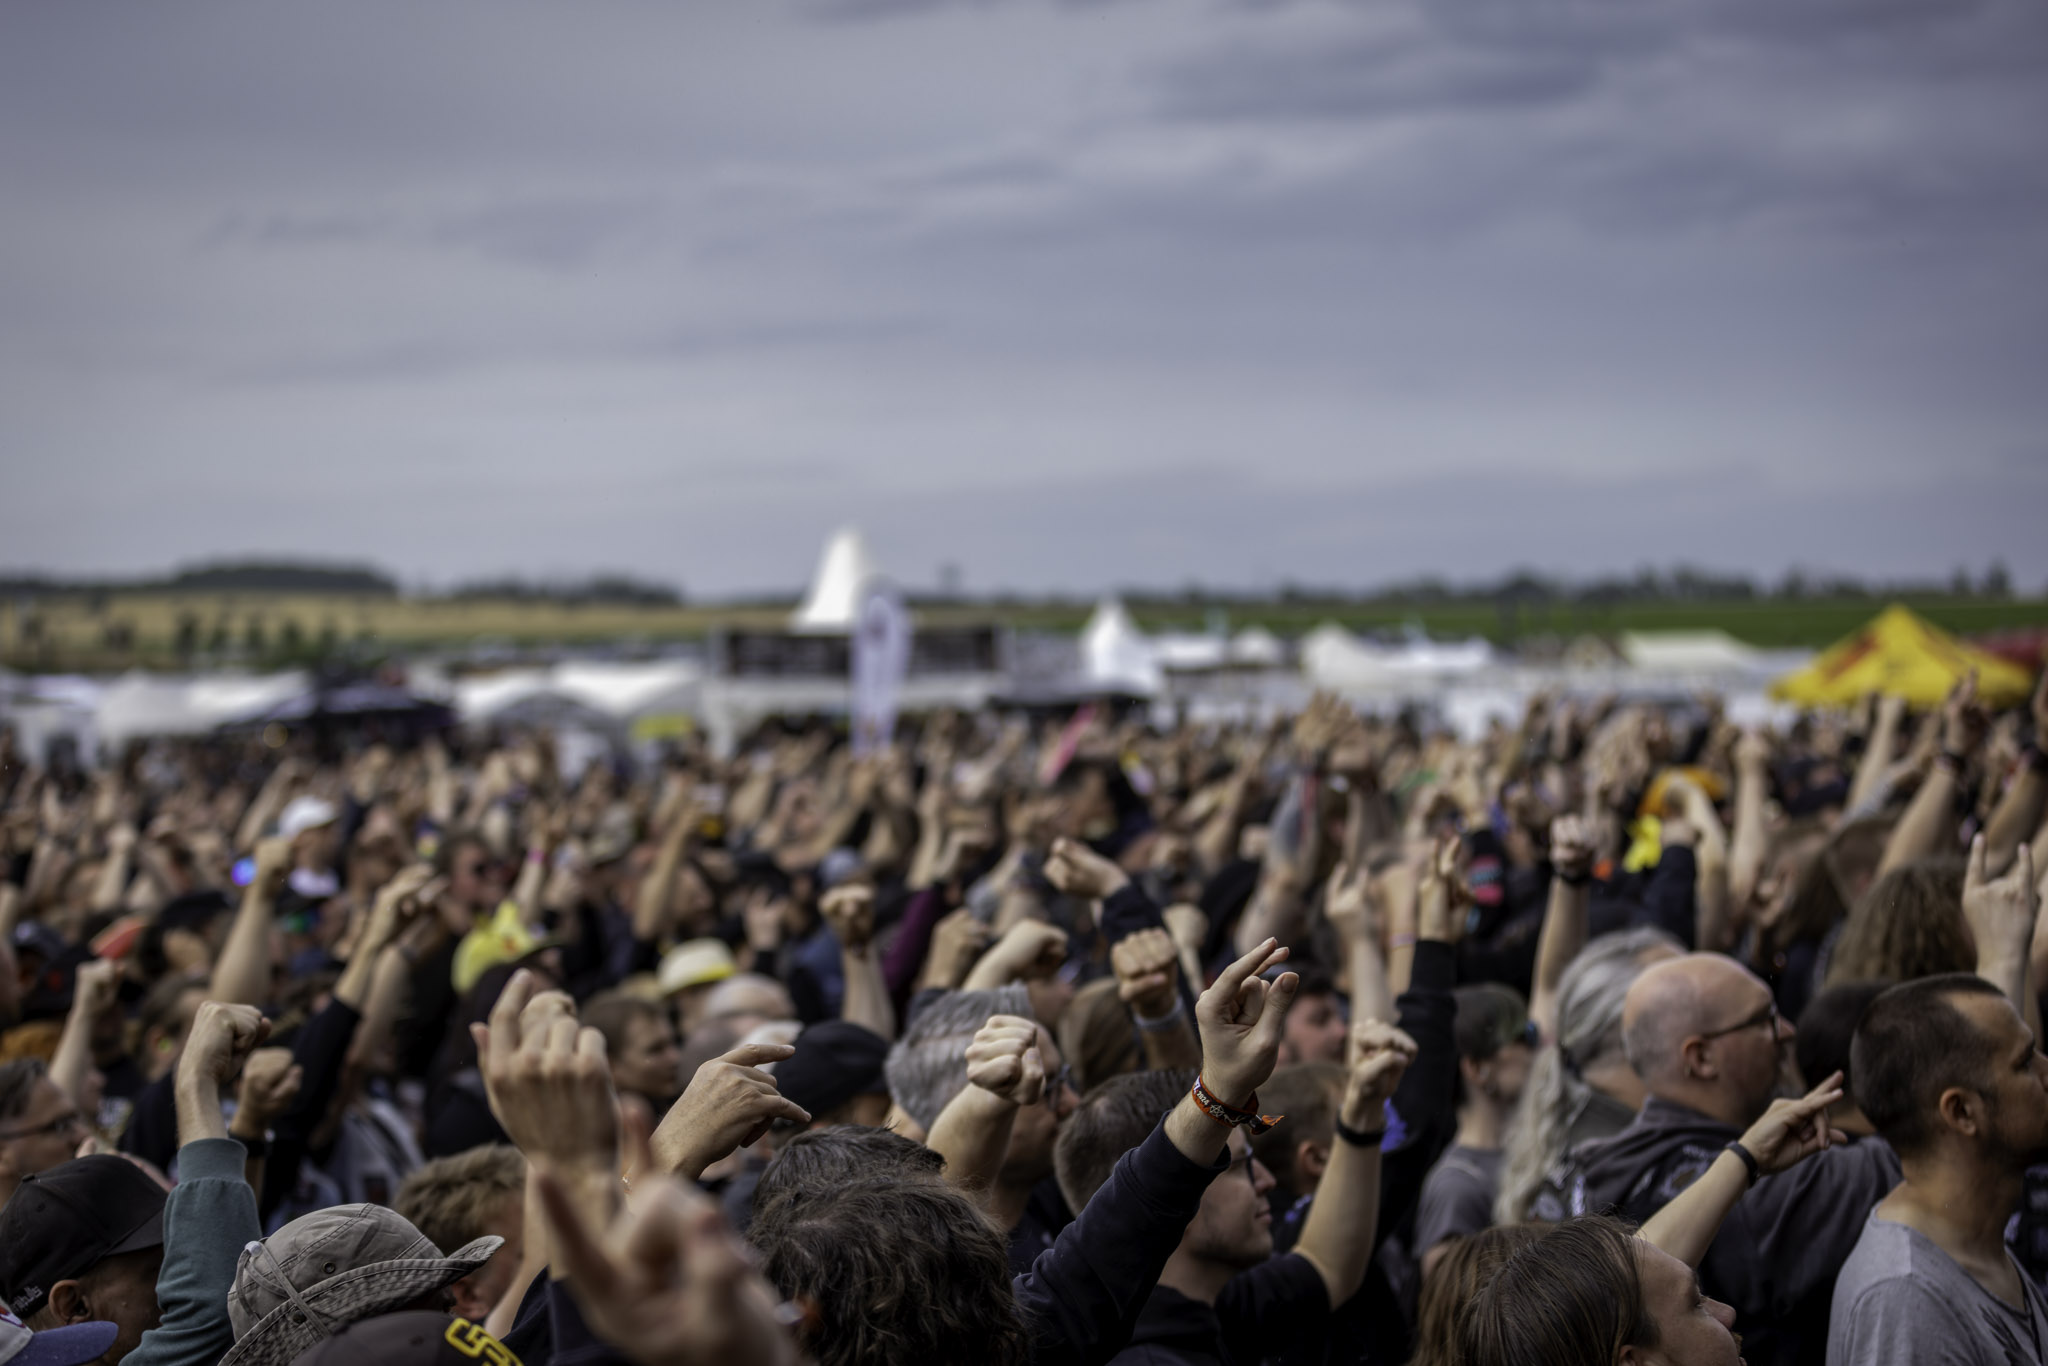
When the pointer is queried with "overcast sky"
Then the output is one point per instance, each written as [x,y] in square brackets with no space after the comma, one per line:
[1066,294]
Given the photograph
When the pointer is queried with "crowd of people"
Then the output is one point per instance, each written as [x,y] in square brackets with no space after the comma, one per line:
[1052,1039]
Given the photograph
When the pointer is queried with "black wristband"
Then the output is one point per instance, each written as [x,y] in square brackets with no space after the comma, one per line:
[255,1147]
[1576,879]
[1358,1138]
[1748,1159]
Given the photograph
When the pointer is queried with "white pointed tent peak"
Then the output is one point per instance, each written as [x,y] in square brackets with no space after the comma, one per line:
[844,572]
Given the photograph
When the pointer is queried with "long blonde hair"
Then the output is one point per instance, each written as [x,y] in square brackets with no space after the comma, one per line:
[1589,1001]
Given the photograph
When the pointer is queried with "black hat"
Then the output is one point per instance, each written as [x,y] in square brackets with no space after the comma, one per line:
[834,1062]
[415,1338]
[63,1222]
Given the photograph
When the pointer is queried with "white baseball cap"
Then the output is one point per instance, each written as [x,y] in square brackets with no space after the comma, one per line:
[306,813]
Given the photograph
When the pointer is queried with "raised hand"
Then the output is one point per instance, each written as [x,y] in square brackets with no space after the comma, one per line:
[668,1284]
[1351,907]
[728,1105]
[1793,1130]
[270,1083]
[1571,847]
[1029,949]
[1443,894]
[273,866]
[1077,870]
[1004,1060]
[1380,1054]
[850,911]
[2001,913]
[957,941]
[1962,720]
[222,1035]
[547,1078]
[1240,1018]
[97,984]
[1147,971]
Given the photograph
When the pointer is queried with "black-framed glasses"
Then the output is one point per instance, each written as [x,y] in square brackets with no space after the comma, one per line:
[71,1122]
[1245,1162]
[1767,1016]
[1059,1082]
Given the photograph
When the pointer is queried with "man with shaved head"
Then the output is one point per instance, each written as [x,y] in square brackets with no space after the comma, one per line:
[1704,1034]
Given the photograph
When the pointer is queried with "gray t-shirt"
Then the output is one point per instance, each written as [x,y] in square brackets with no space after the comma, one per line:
[1902,1301]
[1457,1196]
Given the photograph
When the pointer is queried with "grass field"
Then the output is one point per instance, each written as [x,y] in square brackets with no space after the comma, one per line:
[164,630]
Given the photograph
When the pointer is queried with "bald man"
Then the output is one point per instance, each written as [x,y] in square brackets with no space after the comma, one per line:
[1703,1033]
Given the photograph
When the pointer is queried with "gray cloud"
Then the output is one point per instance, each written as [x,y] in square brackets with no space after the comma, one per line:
[1067,293]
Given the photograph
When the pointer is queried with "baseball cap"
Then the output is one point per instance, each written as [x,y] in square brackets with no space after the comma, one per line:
[414,1338]
[63,1222]
[695,962]
[75,1344]
[305,813]
[834,1062]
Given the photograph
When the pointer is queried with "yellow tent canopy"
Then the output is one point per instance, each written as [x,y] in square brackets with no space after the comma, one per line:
[1899,654]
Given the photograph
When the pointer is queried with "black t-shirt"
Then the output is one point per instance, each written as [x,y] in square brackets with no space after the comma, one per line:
[1278,1308]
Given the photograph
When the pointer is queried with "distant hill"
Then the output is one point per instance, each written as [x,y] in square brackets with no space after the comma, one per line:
[259,576]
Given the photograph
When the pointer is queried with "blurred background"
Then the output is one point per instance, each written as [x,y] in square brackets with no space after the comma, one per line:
[1125,343]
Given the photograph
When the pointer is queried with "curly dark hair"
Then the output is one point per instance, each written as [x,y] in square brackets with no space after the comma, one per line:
[891,1272]
[1909,924]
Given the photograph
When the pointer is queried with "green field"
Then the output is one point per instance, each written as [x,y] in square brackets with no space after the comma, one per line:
[108,631]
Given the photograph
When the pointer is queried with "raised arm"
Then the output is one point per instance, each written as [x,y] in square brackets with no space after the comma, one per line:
[1147,970]
[1748,843]
[1931,813]
[1350,907]
[2025,799]
[850,911]
[728,1105]
[1878,754]
[1564,919]
[93,995]
[2001,915]
[1005,1072]
[242,975]
[1789,1131]
[1341,1231]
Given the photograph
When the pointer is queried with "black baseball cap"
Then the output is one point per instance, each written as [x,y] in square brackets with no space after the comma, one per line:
[63,1222]
[414,1338]
[834,1062]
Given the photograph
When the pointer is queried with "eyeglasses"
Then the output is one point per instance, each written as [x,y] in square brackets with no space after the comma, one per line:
[1767,1016]
[1245,1162]
[69,1123]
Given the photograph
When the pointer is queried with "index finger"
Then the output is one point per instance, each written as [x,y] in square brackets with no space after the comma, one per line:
[1825,1094]
[754,1054]
[1231,980]
[1973,874]
[504,1038]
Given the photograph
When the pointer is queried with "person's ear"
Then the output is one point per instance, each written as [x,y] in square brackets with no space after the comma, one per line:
[1473,1071]
[465,1303]
[68,1302]
[1698,1060]
[1962,1110]
[1311,1159]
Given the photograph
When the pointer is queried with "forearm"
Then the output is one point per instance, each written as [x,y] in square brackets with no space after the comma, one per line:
[72,1062]
[113,880]
[2005,968]
[242,976]
[1338,1237]
[1563,935]
[973,1135]
[593,1189]
[1172,1043]
[2016,816]
[199,1110]
[533,875]
[1275,912]
[1746,846]
[1877,757]
[1371,996]
[1918,833]
[866,1002]
[1194,1134]
[1686,1226]
[650,903]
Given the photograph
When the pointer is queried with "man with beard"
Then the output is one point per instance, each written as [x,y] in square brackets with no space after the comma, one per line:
[1950,1075]
[1704,1034]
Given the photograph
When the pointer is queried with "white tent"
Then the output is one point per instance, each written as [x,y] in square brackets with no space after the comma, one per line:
[1687,652]
[1116,654]
[1332,657]
[620,692]
[138,704]
[844,572]
[1256,645]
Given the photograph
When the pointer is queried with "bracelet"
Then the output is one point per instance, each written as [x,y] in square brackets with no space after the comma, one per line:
[1360,1138]
[1166,1021]
[1748,1159]
[1581,879]
[1230,1117]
